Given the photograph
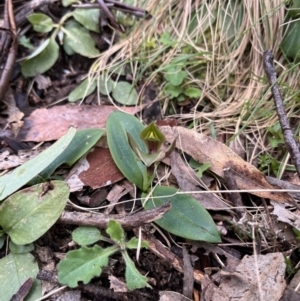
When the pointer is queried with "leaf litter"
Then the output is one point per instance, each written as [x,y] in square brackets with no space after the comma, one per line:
[42,125]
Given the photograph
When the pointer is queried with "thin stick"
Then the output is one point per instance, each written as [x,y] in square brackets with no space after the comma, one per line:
[100,220]
[290,141]
[11,57]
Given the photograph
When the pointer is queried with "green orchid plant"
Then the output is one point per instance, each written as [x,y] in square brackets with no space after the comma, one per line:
[137,150]
[156,150]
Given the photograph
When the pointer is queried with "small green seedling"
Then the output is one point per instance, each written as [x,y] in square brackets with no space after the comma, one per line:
[174,88]
[200,168]
[74,33]
[87,262]
[275,136]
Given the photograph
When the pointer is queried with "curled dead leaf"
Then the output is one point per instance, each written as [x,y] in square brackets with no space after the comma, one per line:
[207,150]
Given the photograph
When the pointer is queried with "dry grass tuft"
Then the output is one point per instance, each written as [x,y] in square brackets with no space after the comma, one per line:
[225,62]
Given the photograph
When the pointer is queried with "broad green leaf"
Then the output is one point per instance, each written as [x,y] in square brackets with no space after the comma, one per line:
[172,91]
[85,88]
[83,265]
[175,75]
[115,231]
[20,249]
[290,45]
[25,42]
[67,48]
[68,2]
[42,59]
[15,269]
[41,22]
[125,94]
[30,169]
[192,92]
[89,18]
[187,218]
[117,126]
[39,49]
[82,142]
[133,243]
[105,84]
[79,39]
[134,279]
[86,235]
[29,213]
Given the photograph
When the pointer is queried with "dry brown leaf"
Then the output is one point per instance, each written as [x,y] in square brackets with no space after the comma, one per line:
[102,171]
[14,115]
[207,150]
[260,278]
[97,169]
[50,124]
[172,296]
[286,216]
[188,181]
[8,161]
[117,285]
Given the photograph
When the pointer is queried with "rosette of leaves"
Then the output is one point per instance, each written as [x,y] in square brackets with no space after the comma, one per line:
[86,262]
[73,30]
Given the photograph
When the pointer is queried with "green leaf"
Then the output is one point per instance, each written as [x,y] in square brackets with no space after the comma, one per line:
[83,265]
[193,92]
[290,45]
[133,243]
[86,235]
[187,218]
[30,169]
[20,249]
[166,39]
[15,269]
[25,42]
[115,231]
[82,142]
[172,91]
[175,75]
[28,214]
[42,59]
[105,84]
[83,90]
[89,18]
[134,279]
[294,9]
[125,94]
[202,168]
[117,126]
[79,39]
[41,22]
[66,3]
[68,50]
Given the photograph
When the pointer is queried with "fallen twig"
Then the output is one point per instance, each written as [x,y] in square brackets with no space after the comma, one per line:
[289,139]
[10,33]
[100,220]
